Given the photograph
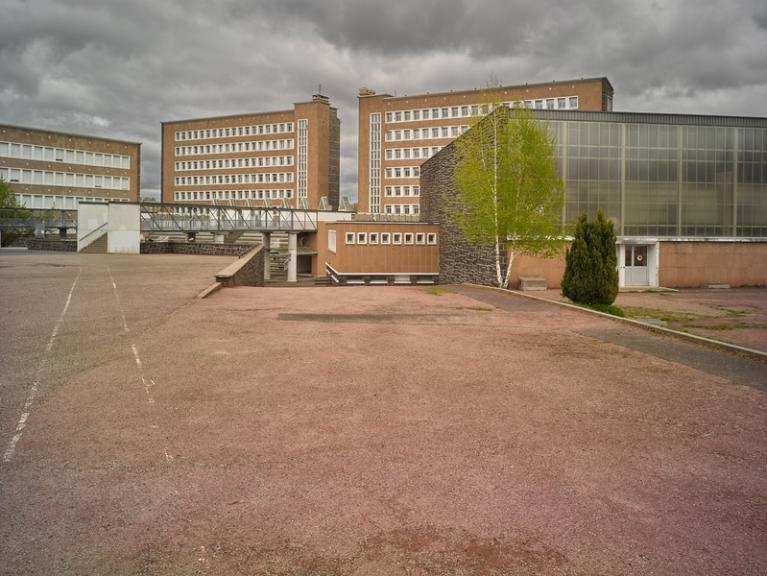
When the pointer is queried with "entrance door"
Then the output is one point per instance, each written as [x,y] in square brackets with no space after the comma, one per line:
[637,272]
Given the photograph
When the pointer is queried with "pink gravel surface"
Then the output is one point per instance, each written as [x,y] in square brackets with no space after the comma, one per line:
[735,315]
[370,430]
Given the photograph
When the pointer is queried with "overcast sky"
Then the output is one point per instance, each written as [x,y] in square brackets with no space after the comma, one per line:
[118,68]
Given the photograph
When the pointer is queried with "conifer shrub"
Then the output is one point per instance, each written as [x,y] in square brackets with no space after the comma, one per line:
[591,273]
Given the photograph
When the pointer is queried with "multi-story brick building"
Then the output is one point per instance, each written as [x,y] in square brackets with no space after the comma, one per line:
[57,170]
[397,134]
[284,158]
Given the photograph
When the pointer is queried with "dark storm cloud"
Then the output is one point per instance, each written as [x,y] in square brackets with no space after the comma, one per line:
[120,68]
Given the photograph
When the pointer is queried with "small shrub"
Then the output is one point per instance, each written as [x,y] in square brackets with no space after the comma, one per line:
[591,268]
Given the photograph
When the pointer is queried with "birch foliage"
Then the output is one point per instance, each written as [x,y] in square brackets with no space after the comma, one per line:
[509,193]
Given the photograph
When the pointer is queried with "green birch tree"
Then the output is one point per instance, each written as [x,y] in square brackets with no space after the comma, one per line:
[509,193]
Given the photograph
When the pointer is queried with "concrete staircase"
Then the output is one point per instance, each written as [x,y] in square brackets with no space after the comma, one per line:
[98,246]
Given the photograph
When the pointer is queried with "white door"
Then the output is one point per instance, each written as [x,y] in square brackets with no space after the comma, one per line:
[637,271]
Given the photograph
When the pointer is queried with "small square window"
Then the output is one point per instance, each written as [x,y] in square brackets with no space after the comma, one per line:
[350,237]
[408,238]
[385,237]
[373,238]
[396,238]
[431,238]
[362,238]
[420,238]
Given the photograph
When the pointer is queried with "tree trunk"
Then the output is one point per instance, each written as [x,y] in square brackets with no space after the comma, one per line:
[499,275]
[510,255]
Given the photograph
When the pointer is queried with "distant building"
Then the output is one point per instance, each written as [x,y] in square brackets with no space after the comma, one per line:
[687,195]
[397,134]
[48,169]
[285,158]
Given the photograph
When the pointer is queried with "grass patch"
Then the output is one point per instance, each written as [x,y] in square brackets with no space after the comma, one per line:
[608,309]
[735,326]
[665,315]
[436,291]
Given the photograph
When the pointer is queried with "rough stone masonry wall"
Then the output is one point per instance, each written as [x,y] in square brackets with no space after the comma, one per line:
[199,248]
[248,271]
[52,245]
[459,261]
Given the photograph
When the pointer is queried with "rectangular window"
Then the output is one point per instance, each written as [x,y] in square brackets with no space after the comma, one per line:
[420,238]
[385,238]
[425,113]
[408,238]
[332,241]
[573,102]
[373,238]
[350,237]
[362,238]
[431,238]
[407,115]
[396,238]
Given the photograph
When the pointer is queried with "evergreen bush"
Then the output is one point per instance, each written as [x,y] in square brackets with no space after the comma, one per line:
[591,273]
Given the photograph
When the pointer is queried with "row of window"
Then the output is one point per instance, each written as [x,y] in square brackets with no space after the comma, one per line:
[254,130]
[468,110]
[257,146]
[43,178]
[426,133]
[60,202]
[235,195]
[408,153]
[391,238]
[402,209]
[48,154]
[257,162]
[403,191]
[262,178]
[404,172]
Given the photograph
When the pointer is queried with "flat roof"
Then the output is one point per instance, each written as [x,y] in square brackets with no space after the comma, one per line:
[74,134]
[243,114]
[655,118]
[509,87]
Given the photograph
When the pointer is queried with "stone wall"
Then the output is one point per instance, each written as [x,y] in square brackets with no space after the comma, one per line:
[247,271]
[199,248]
[52,245]
[459,261]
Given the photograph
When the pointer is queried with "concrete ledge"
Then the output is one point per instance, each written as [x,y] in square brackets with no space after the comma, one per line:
[532,283]
[668,331]
[212,289]
[247,271]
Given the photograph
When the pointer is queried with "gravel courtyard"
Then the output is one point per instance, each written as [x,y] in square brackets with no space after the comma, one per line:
[366,430]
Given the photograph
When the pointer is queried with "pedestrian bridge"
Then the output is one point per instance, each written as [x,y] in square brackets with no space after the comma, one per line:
[225,219]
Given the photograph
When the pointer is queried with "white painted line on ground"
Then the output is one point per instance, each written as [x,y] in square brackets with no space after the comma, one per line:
[119,304]
[148,383]
[32,392]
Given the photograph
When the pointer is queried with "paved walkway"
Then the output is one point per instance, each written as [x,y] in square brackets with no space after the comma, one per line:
[364,430]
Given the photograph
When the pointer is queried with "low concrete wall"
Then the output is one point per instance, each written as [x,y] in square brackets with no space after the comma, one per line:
[52,245]
[247,271]
[199,248]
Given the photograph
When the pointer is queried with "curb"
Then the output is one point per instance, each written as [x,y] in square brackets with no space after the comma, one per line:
[212,289]
[660,329]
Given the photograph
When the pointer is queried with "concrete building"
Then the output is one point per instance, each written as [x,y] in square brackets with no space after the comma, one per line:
[49,169]
[287,158]
[397,134]
[687,195]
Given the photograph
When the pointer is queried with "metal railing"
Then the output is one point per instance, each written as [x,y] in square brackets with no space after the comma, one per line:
[181,218]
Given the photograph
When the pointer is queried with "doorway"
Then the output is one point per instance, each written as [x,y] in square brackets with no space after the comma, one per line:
[636,265]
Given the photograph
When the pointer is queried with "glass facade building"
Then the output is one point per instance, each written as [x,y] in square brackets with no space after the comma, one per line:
[664,176]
